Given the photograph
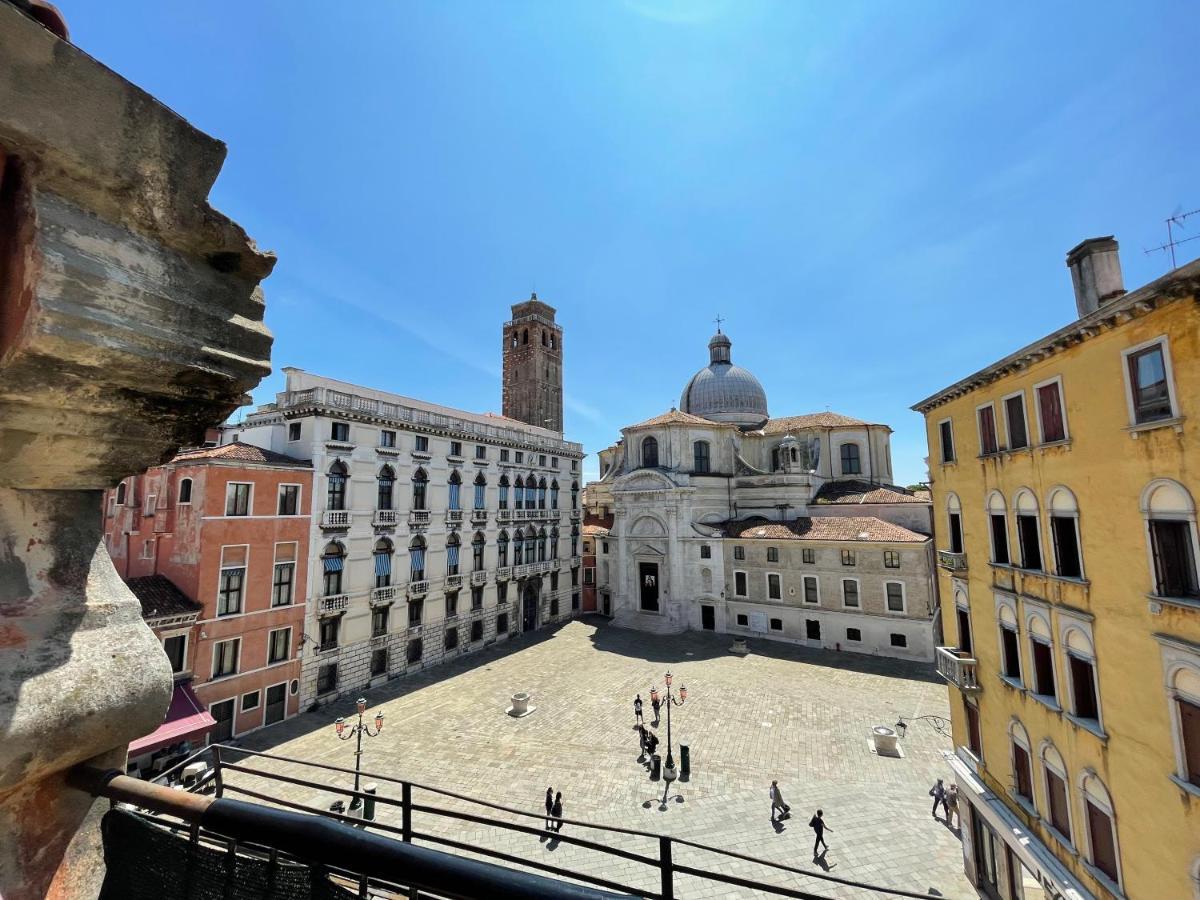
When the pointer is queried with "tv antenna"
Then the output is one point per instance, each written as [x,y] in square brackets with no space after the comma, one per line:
[1175,221]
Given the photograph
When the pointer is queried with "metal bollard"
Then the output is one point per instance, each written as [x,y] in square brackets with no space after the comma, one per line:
[685,762]
[655,767]
[369,803]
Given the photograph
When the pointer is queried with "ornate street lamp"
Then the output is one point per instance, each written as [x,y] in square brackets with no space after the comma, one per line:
[346,733]
[669,771]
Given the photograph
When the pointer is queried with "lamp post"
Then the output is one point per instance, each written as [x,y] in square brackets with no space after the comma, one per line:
[358,731]
[669,773]
[939,724]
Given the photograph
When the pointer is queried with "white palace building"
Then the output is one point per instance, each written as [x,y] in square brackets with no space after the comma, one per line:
[728,520]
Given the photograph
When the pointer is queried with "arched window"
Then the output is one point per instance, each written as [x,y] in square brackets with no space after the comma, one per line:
[525,336]
[574,495]
[454,501]
[1081,674]
[452,543]
[552,343]
[1057,810]
[1171,528]
[336,493]
[851,464]
[416,559]
[554,543]
[574,540]
[554,494]
[519,493]
[1183,692]
[530,546]
[502,550]
[541,545]
[700,462]
[518,548]
[185,490]
[387,485]
[420,490]
[383,562]
[545,340]
[1101,827]
[1022,764]
[649,453]
[998,528]
[121,494]
[514,339]
[541,495]
[333,561]
[1010,642]
[1064,531]
[1041,651]
[477,547]
[954,520]
[480,491]
[503,492]
[1029,531]
[775,466]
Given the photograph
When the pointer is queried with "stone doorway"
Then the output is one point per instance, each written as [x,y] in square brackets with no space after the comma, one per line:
[529,614]
[648,584]
[708,618]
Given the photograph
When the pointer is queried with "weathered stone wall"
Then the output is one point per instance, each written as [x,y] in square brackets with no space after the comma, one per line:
[533,357]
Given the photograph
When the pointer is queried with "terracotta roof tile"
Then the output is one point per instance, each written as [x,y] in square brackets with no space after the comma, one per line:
[160,597]
[239,451]
[597,525]
[825,528]
[675,417]
[811,420]
[864,492]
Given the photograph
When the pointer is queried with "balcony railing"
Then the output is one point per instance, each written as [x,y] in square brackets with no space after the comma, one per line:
[479,577]
[953,562]
[383,595]
[504,515]
[958,668]
[522,571]
[503,573]
[335,518]
[577,561]
[454,516]
[479,516]
[418,518]
[335,603]
[453,582]
[576,515]
[418,588]
[385,518]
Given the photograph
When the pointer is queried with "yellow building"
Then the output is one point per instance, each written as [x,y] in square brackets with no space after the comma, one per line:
[1065,503]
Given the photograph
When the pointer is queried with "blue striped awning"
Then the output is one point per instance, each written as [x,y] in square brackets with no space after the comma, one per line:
[333,563]
[418,558]
[452,555]
[383,564]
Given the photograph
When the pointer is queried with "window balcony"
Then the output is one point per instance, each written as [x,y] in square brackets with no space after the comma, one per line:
[454,516]
[504,515]
[453,582]
[418,518]
[522,571]
[385,518]
[952,562]
[479,577]
[503,573]
[959,669]
[479,516]
[418,588]
[335,518]
[576,515]
[335,604]
[576,562]
[381,595]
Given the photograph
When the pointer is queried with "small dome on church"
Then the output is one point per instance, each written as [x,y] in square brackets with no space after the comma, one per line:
[724,392]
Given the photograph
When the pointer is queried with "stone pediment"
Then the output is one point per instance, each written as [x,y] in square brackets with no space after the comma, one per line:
[644,480]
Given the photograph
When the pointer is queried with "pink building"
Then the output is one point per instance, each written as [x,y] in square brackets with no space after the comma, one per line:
[214,544]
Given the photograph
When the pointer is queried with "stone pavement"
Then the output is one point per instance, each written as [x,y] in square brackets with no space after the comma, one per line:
[801,716]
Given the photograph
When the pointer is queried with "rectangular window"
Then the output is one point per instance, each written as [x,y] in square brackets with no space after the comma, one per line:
[1147,373]
[891,559]
[849,592]
[477,630]
[329,633]
[250,701]
[1100,834]
[379,662]
[1066,546]
[1012,653]
[808,556]
[1014,417]
[851,462]
[1031,543]
[1174,564]
[946,430]
[502,623]
[1189,727]
[605,546]
[503,454]
[148,549]
[451,641]
[279,645]
[456,448]
[739,552]
[225,658]
[283,581]
[477,598]
[739,584]
[480,451]
[237,499]
[700,460]
[974,741]
[895,596]
[987,430]
[327,678]
[772,554]
[1043,669]
[151,504]
[999,525]
[1050,413]
[1083,687]
[293,431]
[452,604]
[176,649]
[421,443]
[554,462]
[387,438]
[520,456]
[554,604]
[1022,773]
[812,591]
[854,635]
[232,580]
[774,588]
[964,629]
[743,620]
[340,431]
[777,624]
[541,459]
[379,621]
[414,651]
[899,640]
[502,592]
[589,575]
[705,551]
[289,499]
[1056,793]
[848,558]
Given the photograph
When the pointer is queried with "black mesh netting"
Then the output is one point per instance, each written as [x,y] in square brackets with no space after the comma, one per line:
[145,861]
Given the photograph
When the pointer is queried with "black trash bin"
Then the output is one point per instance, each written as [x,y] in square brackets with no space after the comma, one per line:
[369,803]
[655,767]
[685,762]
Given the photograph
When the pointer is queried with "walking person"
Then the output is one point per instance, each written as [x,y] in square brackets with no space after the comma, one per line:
[556,812]
[777,803]
[952,806]
[817,824]
[549,808]
[657,704]
[938,793]
[637,710]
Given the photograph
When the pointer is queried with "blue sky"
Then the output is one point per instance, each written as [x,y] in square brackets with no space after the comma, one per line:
[877,198]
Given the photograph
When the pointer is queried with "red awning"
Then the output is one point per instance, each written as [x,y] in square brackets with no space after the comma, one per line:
[186,718]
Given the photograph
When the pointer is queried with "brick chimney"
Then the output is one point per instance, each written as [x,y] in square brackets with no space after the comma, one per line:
[1095,266]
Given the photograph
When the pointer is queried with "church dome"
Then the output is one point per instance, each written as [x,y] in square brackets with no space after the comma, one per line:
[724,392]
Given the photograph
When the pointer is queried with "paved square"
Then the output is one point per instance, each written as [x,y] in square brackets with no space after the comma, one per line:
[801,716]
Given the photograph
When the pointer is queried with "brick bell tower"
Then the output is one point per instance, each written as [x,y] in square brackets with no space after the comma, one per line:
[533,366]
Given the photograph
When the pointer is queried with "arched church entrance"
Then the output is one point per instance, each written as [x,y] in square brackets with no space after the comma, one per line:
[529,608]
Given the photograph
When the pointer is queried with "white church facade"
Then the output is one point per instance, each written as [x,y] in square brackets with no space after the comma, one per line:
[728,520]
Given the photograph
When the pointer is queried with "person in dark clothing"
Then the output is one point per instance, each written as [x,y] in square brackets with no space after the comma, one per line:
[651,743]
[938,793]
[641,742]
[549,808]
[817,824]
[637,709]
[556,812]
[657,704]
